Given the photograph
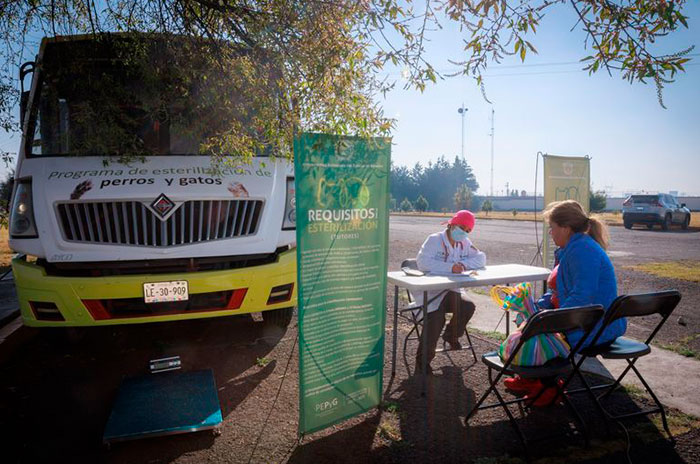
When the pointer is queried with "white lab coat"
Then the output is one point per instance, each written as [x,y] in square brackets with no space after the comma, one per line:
[438,256]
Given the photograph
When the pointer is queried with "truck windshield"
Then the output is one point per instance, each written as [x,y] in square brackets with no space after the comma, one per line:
[129,97]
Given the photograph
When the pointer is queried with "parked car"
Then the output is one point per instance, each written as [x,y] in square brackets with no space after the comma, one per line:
[653,209]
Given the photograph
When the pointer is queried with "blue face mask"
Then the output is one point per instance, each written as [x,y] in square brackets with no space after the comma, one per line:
[458,234]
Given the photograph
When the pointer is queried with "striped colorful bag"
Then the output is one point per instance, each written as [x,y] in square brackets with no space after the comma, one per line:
[538,349]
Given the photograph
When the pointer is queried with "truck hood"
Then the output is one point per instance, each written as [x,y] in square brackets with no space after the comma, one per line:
[165,182]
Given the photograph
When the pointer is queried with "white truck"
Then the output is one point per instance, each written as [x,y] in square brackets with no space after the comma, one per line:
[169,236]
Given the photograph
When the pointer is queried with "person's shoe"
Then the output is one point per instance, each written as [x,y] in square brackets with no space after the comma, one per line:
[548,397]
[521,385]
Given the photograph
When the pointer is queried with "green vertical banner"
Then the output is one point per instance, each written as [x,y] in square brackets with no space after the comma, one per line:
[565,178]
[342,197]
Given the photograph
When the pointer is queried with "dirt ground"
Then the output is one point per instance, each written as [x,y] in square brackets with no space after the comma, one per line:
[55,398]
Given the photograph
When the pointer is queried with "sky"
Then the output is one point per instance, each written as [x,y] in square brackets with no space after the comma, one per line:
[549,105]
[552,107]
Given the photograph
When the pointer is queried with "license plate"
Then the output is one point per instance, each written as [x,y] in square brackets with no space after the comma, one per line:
[158,292]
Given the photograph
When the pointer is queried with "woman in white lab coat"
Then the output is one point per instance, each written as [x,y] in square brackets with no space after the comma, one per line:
[448,252]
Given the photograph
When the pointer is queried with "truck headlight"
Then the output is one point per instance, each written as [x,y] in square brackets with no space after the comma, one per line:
[290,207]
[22,224]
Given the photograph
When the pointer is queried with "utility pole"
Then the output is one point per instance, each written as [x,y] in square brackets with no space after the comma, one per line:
[492,133]
[463,111]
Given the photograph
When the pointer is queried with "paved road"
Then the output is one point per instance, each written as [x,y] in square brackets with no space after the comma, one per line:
[515,242]
[641,244]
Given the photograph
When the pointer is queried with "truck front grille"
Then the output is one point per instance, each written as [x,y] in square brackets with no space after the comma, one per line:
[133,223]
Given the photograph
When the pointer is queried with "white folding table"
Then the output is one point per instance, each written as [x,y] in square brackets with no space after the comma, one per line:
[491,275]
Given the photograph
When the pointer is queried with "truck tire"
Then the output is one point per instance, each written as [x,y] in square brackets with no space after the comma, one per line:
[628,225]
[667,222]
[686,223]
[278,317]
[650,226]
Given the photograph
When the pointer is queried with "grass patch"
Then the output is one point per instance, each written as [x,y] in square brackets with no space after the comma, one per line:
[682,347]
[388,431]
[678,421]
[641,432]
[680,270]
[481,291]
[493,334]
[5,252]
[262,362]
[613,218]
[391,406]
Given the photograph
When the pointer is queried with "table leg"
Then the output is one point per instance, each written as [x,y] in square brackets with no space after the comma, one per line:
[424,338]
[396,328]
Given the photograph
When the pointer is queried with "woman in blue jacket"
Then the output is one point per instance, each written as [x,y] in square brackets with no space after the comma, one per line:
[585,275]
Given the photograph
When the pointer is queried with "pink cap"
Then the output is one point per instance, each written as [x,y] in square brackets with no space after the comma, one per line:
[463,218]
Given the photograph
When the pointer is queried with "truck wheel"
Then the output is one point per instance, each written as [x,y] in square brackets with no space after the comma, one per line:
[667,222]
[650,226]
[686,223]
[628,225]
[278,317]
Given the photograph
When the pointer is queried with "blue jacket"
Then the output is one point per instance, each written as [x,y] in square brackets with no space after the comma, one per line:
[586,276]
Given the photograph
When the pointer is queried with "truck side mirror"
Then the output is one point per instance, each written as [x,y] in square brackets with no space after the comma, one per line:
[682,205]
[24,70]
[24,98]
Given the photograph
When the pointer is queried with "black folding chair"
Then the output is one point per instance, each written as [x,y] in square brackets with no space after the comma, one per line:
[412,313]
[662,303]
[544,322]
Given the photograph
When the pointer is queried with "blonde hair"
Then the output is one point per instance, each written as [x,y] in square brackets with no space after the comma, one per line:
[570,213]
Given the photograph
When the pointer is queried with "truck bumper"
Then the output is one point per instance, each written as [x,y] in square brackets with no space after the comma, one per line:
[642,218]
[53,301]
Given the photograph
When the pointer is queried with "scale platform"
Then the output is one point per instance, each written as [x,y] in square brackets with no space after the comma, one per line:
[164,404]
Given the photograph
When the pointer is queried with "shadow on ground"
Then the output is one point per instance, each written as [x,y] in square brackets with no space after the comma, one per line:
[58,385]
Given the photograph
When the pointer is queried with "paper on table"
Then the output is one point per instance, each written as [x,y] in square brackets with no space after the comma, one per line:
[468,272]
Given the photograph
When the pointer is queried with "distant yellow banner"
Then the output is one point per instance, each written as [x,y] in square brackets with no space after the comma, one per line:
[565,178]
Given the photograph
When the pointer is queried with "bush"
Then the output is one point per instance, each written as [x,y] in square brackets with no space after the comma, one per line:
[421,203]
[406,205]
[515,212]
[392,204]
[5,193]
[486,206]
[463,197]
[597,200]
